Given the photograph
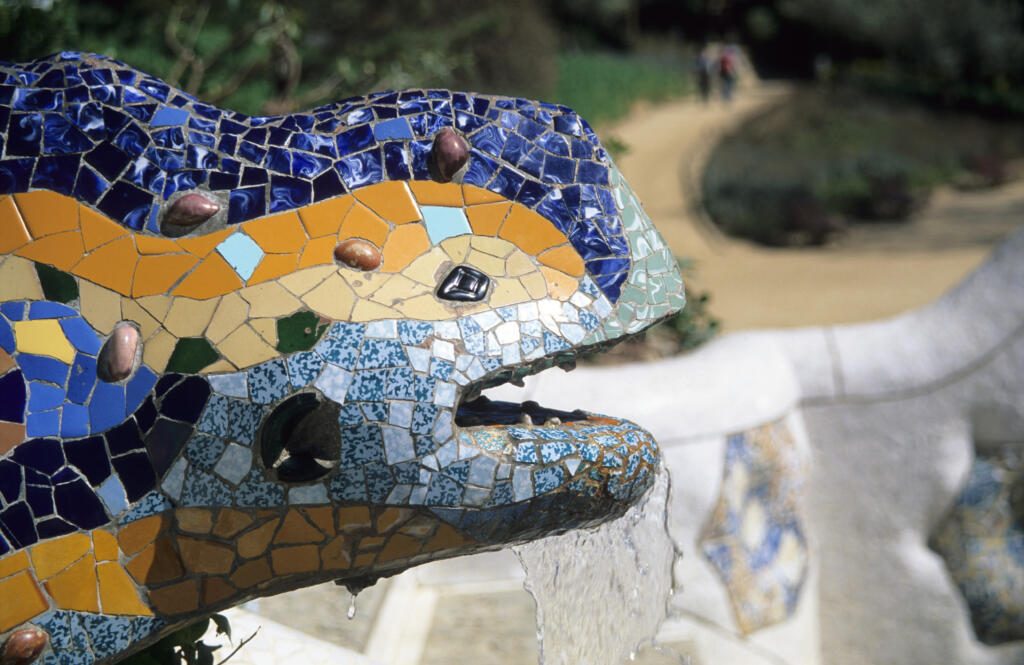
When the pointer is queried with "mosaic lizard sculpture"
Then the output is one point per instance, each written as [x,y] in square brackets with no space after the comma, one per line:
[242,354]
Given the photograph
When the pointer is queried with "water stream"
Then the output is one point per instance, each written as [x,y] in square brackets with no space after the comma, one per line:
[602,594]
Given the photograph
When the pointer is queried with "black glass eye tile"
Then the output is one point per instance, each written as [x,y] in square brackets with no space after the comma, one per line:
[464,284]
[78,504]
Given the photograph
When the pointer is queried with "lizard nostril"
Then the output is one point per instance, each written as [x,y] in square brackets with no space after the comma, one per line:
[299,441]
[358,253]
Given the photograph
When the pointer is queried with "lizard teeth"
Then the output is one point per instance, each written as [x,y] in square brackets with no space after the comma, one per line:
[567,366]
[524,419]
[553,420]
[517,381]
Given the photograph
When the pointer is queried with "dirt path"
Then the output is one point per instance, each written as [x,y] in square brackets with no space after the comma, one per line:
[871,273]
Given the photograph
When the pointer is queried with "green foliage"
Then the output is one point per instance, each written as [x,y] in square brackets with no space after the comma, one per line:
[800,171]
[694,325]
[604,86]
[184,646]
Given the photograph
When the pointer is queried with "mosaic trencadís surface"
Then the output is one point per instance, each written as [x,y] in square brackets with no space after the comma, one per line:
[244,354]
[981,540]
[755,537]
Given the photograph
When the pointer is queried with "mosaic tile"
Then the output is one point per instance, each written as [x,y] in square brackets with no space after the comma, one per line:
[185,462]
[755,537]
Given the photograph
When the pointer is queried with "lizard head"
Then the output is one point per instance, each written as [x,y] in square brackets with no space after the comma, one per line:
[248,354]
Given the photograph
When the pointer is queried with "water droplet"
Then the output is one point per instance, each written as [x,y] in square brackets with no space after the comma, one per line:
[351,608]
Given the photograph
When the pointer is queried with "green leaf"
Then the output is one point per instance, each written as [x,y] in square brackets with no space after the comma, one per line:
[299,332]
[58,286]
[191,354]
[223,625]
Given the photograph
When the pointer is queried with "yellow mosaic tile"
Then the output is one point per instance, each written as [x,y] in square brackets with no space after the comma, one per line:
[104,546]
[157,274]
[391,200]
[112,265]
[493,246]
[456,248]
[535,285]
[157,305]
[118,594]
[333,298]
[19,280]
[46,212]
[265,328]
[324,218]
[30,600]
[132,311]
[560,285]
[295,559]
[303,281]
[366,310]
[490,265]
[97,229]
[43,337]
[485,220]
[475,195]
[61,250]
[188,317]
[509,292]
[436,193]
[158,349]
[519,264]
[404,244]
[427,268]
[278,234]
[364,223]
[101,307]
[269,299]
[232,311]
[244,348]
[211,278]
[13,233]
[395,290]
[74,588]
[13,563]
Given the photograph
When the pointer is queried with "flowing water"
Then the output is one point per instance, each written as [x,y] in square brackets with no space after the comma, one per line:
[601,594]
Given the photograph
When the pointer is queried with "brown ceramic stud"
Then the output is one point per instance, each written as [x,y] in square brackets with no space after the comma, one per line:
[358,253]
[187,213]
[23,647]
[449,152]
[117,357]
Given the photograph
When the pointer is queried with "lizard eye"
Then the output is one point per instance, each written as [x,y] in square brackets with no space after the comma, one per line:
[464,284]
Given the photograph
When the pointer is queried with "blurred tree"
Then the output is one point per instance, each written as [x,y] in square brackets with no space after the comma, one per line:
[269,56]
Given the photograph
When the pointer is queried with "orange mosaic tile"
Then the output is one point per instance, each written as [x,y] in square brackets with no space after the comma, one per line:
[318,252]
[364,223]
[447,537]
[46,213]
[156,563]
[354,518]
[321,517]
[202,245]
[13,563]
[399,547]
[104,546]
[295,529]
[560,285]
[530,231]
[475,195]
[74,588]
[278,234]
[215,590]
[177,598]
[112,265]
[564,258]
[152,245]
[61,250]
[364,560]
[321,219]
[134,536]
[30,600]
[230,522]
[157,274]
[391,200]
[251,573]
[255,542]
[194,520]
[387,520]
[205,556]
[13,233]
[403,245]
[295,559]
[273,266]
[118,594]
[211,278]
[486,219]
[97,229]
[431,193]
[52,556]
[336,554]
[11,434]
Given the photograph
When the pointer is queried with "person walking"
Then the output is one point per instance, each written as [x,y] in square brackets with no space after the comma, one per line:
[727,71]
[705,69]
